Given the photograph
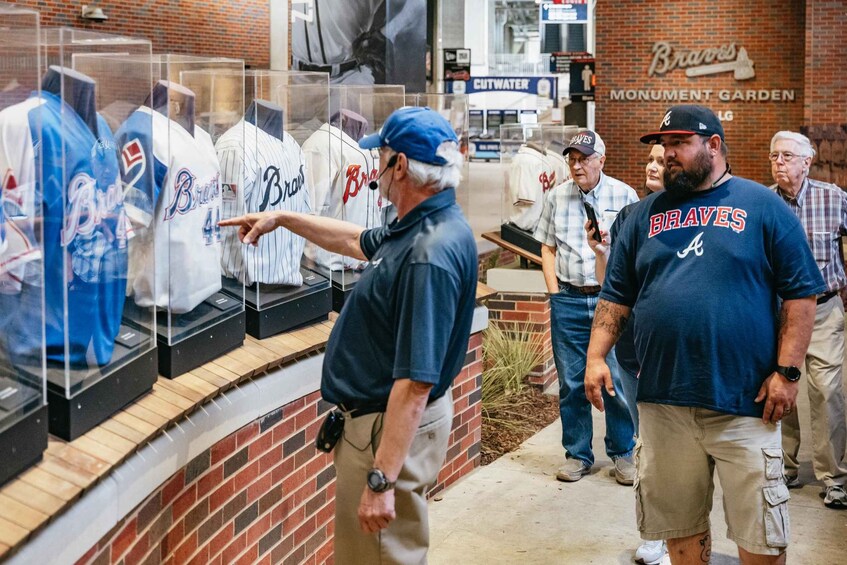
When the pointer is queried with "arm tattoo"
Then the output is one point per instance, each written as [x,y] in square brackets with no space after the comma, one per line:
[783,323]
[706,552]
[610,317]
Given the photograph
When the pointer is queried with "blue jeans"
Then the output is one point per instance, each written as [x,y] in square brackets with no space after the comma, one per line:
[571,316]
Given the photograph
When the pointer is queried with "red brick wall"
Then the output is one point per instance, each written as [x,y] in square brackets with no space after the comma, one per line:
[264,494]
[236,28]
[826,50]
[463,453]
[493,259]
[774,36]
[530,311]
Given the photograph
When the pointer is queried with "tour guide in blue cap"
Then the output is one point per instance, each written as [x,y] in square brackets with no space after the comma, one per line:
[401,338]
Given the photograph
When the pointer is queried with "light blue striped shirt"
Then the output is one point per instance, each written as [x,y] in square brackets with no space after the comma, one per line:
[563,219]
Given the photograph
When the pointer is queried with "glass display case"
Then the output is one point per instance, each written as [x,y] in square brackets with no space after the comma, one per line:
[284,110]
[454,108]
[531,155]
[23,408]
[100,355]
[345,192]
[193,103]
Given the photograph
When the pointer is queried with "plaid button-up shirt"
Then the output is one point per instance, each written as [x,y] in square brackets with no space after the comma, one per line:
[563,219]
[822,210]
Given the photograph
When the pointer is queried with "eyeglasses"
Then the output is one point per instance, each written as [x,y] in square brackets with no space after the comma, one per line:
[581,160]
[786,157]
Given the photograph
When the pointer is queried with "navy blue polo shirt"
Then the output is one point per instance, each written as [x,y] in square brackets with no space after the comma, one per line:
[410,314]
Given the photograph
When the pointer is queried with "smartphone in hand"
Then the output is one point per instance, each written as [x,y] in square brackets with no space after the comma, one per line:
[592,218]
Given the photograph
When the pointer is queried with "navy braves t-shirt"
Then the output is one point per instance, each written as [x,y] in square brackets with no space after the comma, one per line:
[704,273]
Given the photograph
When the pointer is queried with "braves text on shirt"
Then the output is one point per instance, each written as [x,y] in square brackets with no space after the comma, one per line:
[718,216]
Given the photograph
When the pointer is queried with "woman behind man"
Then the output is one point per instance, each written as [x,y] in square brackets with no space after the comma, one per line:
[650,552]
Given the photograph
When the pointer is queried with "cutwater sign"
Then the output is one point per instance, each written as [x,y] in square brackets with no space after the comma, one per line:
[544,87]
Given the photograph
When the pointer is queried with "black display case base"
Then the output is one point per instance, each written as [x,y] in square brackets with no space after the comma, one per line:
[285,308]
[343,283]
[201,347]
[93,404]
[22,444]
[521,238]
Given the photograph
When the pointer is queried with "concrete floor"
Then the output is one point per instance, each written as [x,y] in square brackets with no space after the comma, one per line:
[515,511]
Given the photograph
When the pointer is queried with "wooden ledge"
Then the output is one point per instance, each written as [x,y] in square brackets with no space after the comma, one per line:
[69,469]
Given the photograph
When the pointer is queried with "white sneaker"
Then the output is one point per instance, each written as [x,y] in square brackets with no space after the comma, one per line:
[651,552]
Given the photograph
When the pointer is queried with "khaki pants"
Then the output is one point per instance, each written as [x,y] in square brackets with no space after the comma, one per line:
[678,451]
[824,365]
[406,540]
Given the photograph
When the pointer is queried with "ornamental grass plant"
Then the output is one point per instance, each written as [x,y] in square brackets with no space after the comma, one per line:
[508,355]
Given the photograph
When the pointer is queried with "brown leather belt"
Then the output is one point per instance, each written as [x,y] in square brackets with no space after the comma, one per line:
[595,289]
[826,296]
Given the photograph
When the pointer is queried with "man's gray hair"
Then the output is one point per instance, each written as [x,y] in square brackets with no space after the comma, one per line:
[438,177]
[808,150]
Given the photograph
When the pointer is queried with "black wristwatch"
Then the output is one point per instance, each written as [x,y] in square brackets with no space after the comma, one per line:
[792,374]
[377,481]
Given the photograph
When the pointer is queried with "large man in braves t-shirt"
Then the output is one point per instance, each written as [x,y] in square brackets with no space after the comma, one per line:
[722,285]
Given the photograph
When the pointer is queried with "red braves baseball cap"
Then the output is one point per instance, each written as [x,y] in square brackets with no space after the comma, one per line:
[586,142]
[687,119]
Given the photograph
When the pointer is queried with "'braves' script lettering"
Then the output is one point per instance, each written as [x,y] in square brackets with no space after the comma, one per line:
[88,207]
[666,58]
[188,195]
[281,194]
[356,180]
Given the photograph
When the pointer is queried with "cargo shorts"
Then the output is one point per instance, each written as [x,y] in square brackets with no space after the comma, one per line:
[678,450]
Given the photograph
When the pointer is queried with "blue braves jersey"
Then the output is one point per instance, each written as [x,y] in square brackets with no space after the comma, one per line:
[85,232]
[704,274]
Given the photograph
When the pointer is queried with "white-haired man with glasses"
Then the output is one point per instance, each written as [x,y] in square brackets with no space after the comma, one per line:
[568,265]
[822,210]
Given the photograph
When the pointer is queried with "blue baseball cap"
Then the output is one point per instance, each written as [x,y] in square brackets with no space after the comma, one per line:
[416,132]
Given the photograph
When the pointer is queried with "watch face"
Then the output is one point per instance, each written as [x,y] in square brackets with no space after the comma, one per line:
[375,480]
[790,373]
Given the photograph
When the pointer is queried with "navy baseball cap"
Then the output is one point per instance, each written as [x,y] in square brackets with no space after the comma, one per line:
[416,132]
[586,142]
[687,119]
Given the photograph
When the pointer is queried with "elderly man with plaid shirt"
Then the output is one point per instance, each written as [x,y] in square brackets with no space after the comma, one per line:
[568,266]
[822,210]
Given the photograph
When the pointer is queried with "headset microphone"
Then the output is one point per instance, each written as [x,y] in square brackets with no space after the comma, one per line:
[373,185]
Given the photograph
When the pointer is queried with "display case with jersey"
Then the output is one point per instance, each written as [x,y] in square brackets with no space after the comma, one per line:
[23,408]
[454,108]
[262,159]
[99,355]
[345,179]
[531,155]
[169,166]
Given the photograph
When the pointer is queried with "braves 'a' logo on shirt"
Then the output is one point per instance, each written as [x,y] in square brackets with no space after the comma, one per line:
[717,216]
[547,181]
[187,196]
[357,179]
[280,191]
[696,246]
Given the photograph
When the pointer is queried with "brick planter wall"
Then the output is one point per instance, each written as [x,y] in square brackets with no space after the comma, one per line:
[492,259]
[264,494]
[512,311]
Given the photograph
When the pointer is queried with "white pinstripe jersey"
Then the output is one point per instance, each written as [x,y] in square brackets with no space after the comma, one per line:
[339,171]
[271,175]
[531,175]
[182,175]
